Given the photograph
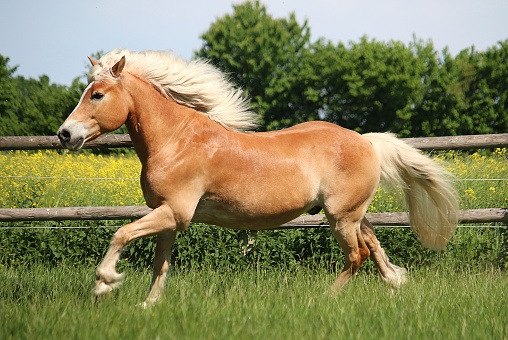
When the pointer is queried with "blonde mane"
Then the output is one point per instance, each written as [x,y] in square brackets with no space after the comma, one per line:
[196,84]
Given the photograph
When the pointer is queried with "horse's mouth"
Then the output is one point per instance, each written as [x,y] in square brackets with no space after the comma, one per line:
[74,145]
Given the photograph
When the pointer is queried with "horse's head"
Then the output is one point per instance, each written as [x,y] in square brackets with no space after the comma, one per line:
[102,108]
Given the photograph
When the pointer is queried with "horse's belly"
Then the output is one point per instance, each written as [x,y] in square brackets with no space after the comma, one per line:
[231,216]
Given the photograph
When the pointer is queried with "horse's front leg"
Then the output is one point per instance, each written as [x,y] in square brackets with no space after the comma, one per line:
[161,263]
[157,221]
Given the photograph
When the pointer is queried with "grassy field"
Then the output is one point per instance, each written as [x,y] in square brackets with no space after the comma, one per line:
[437,303]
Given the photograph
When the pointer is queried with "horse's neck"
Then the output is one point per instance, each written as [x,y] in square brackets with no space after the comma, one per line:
[155,121]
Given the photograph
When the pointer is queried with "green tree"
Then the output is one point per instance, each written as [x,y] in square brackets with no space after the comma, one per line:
[368,86]
[33,106]
[463,95]
[436,113]
[487,93]
[44,105]
[266,57]
[9,100]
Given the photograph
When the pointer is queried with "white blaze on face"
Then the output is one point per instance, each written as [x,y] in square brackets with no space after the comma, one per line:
[81,99]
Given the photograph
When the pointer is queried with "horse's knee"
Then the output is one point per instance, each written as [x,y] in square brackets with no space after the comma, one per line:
[119,238]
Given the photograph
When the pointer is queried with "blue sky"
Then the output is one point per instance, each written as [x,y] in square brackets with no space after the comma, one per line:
[53,37]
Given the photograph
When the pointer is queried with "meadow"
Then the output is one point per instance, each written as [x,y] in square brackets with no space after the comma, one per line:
[219,289]
[437,303]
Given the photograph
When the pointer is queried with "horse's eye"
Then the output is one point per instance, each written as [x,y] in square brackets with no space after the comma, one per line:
[97,96]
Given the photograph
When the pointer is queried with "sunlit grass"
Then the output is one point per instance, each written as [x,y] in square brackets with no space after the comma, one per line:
[437,303]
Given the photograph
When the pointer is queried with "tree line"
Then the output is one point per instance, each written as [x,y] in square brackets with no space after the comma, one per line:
[368,85]
[33,107]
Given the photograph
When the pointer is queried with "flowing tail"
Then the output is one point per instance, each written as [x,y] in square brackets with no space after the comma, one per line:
[430,196]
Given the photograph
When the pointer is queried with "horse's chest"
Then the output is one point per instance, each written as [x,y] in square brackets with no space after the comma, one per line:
[168,182]
[154,186]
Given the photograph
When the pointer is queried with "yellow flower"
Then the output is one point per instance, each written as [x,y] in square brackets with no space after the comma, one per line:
[469,193]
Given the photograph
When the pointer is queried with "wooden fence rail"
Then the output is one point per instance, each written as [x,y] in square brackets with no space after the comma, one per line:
[121,141]
[135,212]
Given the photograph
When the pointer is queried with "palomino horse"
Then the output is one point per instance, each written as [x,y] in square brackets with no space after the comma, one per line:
[187,125]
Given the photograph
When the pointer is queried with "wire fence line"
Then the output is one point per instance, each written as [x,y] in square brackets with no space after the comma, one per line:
[317,226]
[75,178]
[137,178]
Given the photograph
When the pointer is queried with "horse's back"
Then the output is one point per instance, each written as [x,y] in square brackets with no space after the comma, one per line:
[327,147]
[318,136]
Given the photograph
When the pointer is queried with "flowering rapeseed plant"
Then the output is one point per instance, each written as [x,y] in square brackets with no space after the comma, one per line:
[481,180]
[52,179]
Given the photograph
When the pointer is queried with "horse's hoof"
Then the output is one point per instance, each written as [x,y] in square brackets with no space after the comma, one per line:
[102,288]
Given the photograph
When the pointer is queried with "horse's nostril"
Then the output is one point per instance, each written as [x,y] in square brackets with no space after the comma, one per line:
[64,135]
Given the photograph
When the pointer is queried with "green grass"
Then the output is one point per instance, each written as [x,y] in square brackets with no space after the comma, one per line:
[437,303]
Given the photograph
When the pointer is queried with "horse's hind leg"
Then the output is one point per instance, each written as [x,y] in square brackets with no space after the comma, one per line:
[350,239]
[388,272]
[161,263]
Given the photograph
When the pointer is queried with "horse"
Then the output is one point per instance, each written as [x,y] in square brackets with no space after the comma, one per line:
[192,131]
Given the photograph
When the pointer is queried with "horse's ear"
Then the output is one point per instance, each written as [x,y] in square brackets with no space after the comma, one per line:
[118,67]
[93,61]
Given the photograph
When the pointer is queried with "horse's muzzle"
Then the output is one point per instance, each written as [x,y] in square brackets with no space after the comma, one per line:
[69,140]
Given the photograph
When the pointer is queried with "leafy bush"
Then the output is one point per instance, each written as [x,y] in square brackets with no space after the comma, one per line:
[203,246]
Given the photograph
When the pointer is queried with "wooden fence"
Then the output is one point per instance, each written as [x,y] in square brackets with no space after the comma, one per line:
[134,212]
[121,141]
